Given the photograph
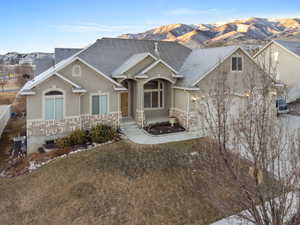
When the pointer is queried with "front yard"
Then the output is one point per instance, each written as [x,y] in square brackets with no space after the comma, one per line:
[122,183]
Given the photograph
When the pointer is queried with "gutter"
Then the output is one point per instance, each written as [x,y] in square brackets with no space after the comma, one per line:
[187,88]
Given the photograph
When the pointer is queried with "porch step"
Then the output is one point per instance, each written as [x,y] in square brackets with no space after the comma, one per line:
[128,125]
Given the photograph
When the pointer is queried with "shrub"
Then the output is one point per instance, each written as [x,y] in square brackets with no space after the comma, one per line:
[102,133]
[41,150]
[63,142]
[77,137]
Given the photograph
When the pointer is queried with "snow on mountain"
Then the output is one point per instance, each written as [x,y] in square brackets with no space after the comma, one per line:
[242,31]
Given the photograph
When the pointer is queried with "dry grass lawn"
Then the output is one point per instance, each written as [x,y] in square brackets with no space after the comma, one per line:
[118,184]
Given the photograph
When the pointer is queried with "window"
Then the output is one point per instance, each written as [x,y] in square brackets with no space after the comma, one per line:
[99,104]
[54,105]
[76,70]
[236,63]
[153,94]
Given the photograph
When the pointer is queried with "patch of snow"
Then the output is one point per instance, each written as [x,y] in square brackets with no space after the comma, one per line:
[236,219]
[194,153]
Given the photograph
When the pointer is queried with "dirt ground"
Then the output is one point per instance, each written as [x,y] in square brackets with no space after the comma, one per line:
[122,184]
[14,128]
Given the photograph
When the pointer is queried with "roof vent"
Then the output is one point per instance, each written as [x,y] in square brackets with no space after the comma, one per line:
[156,49]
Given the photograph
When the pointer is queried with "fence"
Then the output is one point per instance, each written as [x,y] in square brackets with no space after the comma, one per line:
[4,116]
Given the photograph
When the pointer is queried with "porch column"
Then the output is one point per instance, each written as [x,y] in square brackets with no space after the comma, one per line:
[140,116]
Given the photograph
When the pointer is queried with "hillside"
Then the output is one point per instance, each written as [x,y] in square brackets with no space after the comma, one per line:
[12,58]
[247,31]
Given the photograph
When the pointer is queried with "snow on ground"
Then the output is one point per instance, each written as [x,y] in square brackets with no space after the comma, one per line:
[292,123]
[234,220]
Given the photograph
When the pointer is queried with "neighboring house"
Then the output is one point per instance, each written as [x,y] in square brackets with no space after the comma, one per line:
[282,60]
[120,78]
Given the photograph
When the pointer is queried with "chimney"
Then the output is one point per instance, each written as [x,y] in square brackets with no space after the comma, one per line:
[156,50]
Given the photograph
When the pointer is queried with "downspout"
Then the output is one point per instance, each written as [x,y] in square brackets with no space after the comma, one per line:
[119,110]
[188,109]
[80,113]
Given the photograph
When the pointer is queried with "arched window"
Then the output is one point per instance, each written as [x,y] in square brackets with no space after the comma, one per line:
[54,105]
[76,70]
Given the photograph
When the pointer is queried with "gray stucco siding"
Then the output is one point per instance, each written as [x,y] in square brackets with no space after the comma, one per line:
[160,70]
[93,83]
[238,81]
[287,64]
[35,105]
[180,99]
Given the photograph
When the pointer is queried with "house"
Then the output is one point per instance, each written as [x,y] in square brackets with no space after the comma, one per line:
[113,79]
[282,60]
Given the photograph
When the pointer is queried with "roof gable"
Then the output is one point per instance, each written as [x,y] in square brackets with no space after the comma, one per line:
[153,65]
[131,62]
[201,62]
[292,47]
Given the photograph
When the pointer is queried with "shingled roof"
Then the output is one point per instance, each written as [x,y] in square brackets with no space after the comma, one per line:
[107,54]
[293,46]
[200,62]
[64,53]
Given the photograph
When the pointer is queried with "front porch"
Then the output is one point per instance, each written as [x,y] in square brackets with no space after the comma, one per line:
[146,102]
[139,136]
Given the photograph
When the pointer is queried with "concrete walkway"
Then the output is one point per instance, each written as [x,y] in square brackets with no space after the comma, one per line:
[140,136]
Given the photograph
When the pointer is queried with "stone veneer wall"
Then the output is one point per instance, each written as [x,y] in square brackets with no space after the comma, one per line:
[140,116]
[40,128]
[89,121]
[180,115]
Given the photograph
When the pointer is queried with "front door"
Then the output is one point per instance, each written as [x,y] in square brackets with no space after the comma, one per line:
[124,104]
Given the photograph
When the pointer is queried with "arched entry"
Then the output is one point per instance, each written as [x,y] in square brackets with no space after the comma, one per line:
[157,100]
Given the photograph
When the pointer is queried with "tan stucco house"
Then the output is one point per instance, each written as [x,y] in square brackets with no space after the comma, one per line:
[113,79]
[281,59]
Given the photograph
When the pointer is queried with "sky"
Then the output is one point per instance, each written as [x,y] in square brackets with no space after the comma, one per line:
[38,25]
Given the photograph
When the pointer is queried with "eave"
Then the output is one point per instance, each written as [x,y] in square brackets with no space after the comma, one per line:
[187,88]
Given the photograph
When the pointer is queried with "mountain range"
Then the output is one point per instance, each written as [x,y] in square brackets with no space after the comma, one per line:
[245,31]
[248,32]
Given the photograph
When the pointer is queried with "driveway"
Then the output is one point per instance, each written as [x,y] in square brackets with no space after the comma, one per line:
[291,121]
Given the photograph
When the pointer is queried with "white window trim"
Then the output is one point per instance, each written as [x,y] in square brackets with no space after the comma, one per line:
[74,67]
[158,91]
[91,102]
[237,71]
[53,96]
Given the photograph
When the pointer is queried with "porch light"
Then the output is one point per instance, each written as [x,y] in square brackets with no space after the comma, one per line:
[194,99]
[273,93]
[247,94]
